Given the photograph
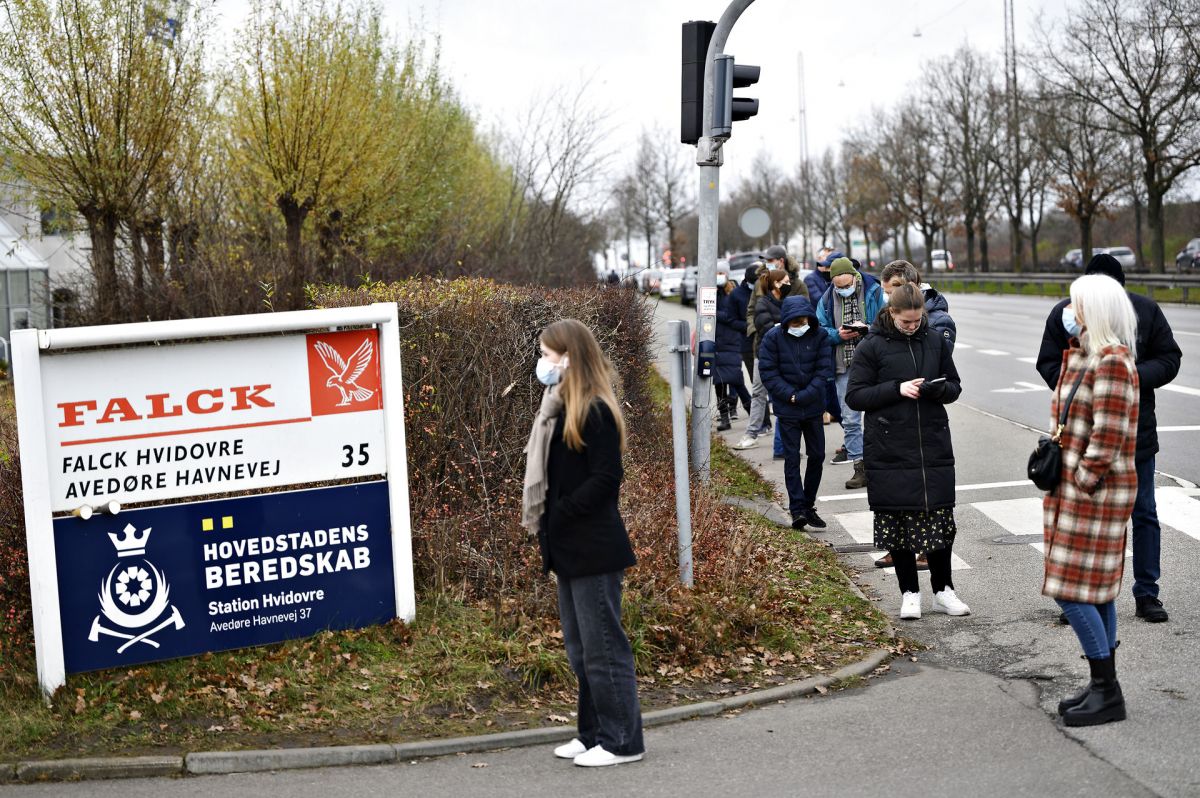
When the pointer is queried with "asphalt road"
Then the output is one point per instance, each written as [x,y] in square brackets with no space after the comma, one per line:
[974,716]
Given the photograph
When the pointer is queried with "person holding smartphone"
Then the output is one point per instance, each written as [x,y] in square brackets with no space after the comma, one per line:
[902,378]
[845,312]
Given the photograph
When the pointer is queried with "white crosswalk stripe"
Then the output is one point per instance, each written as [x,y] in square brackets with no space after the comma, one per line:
[1178,509]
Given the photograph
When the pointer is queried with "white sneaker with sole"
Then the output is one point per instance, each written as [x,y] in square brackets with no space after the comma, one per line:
[597,758]
[949,603]
[747,442]
[910,606]
[570,750]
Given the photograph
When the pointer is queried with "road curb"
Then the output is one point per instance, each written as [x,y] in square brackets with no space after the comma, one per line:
[123,767]
[226,762]
[221,762]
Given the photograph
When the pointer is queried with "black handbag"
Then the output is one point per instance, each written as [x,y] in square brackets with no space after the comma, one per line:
[1045,464]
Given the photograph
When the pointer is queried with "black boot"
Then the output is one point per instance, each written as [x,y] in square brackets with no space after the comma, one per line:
[723,407]
[1077,699]
[1104,702]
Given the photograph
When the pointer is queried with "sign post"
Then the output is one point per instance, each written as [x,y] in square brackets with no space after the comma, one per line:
[208,411]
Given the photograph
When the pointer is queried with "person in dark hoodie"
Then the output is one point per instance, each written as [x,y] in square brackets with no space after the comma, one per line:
[901,378]
[1158,359]
[796,363]
[774,285]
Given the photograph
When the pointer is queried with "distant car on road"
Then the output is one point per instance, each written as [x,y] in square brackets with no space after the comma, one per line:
[1189,257]
[648,281]
[940,260]
[670,282]
[1074,257]
[687,286]
[1124,256]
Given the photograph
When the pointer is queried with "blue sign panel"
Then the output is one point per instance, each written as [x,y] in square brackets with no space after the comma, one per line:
[184,579]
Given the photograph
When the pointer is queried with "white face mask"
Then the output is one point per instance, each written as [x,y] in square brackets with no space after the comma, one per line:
[721,279]
[1070,322]
[549,373]
[798,331]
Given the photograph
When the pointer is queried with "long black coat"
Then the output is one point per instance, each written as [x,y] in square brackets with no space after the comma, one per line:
[906,442]
[1158,359]
[582,533]
[767,312]
[731,332]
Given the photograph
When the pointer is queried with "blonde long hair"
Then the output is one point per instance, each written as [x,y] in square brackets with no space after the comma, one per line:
[1108,315]
[588,377]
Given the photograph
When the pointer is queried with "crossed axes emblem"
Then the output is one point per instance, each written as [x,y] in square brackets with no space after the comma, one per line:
[98,629]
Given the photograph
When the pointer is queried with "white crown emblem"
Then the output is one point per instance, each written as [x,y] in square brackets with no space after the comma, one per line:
[132,544]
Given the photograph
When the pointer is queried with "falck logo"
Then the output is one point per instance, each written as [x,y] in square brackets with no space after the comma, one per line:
[344,373]
[134,596]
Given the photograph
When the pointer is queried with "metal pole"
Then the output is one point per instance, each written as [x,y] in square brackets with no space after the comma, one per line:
[678,337]
[708,158]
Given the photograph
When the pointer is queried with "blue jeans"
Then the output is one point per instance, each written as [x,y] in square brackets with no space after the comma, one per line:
[802,494]
[1094,624]
[851,420]
[1147,534]
[610,715]
[778,438]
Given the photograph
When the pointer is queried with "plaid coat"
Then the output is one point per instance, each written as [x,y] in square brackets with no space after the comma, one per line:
[1085,517]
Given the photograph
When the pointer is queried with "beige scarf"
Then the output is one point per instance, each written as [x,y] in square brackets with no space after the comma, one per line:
[537,452]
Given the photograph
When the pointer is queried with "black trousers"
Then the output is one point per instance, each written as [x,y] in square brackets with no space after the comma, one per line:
[906,570]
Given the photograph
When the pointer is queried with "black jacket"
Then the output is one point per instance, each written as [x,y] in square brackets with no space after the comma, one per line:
[582,533]
[740,297]
[1158,358]
[796,370]
[767,311]
[731,332]
[906,442]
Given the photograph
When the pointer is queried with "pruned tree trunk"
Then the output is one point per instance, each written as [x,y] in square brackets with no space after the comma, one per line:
[1154,217]
[1137,231]
[294,214]
[102,230]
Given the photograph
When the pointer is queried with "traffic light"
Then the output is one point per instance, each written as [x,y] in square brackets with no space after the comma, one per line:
[728,109]
[696,36]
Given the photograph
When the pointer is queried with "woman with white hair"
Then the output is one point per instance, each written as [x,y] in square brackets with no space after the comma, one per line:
[1085,516]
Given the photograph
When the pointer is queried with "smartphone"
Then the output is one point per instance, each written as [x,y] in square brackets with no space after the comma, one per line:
[934,382]
[854,327]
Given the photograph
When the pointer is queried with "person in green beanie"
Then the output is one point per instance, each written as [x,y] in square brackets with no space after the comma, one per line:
[845,313]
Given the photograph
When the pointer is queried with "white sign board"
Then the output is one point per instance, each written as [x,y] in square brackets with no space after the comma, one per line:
[708,301]
[152,423]
[144,413]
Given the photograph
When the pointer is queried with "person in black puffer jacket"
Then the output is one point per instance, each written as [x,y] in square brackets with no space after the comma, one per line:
[774,285]
[727,371]
[796,362]
[902,376]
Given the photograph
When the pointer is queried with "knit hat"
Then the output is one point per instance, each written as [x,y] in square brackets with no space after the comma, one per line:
[830,258]
[842,266]
[774,252]
[1107,265]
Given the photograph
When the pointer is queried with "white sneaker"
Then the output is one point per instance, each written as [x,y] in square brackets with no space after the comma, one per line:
[949,603]
[597,758]
[570,750]
[910,606]
[746,442]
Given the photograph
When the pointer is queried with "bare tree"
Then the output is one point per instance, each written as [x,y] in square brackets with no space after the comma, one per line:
[1087,161]
[1135,62]
[643,194]
[671,183]
[959,87]
[912,168]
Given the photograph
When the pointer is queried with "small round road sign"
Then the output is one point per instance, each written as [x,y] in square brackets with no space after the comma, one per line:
[755,222]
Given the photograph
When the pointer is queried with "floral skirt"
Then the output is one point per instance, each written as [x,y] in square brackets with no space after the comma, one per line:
[907,530]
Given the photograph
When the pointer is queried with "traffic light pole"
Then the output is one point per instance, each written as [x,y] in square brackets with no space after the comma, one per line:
[709,159]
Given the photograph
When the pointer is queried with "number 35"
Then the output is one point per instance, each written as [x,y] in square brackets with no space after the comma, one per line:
[363,456]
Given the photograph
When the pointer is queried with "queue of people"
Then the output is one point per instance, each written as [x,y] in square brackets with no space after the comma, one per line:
[887,347]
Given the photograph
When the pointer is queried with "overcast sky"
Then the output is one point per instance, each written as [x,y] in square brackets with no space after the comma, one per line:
[858,55]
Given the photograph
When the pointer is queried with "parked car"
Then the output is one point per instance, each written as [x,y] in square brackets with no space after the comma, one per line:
[740,260]
[1074,257]
[1189,257]
[940,260]
[1124,256]
[669,284]
[688,286]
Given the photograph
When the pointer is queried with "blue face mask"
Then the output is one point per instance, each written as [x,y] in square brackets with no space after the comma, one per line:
[1068,320]
[798,331]
[548,373]
[846,292]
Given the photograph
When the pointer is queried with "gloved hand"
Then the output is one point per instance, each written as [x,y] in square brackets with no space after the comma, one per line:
[934,390]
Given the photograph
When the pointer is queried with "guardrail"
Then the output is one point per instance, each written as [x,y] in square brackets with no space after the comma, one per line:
[1184,288]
